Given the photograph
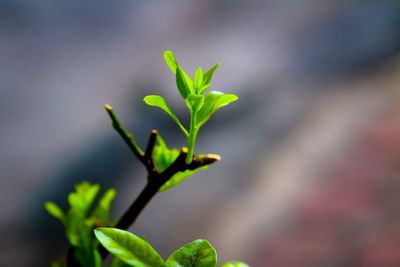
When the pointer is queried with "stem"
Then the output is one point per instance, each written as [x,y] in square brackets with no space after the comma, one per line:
[153,185]
[192,137]
[127,137]
[138,205]
[155,179]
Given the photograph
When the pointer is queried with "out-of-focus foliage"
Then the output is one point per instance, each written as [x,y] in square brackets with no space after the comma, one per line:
[81,218]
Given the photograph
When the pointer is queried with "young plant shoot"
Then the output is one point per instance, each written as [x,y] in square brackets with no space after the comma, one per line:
[201,106]
[166,168]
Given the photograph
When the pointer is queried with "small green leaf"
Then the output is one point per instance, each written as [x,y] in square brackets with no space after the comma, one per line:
[183,82]
[102,211]
[55,210]
[208,75]
[213,101]
[179,177]
[235,264]
[170,60]
[198,253]
[82,199]
[203,89]
[194,102]
[129,248]
[159,102]
[198,78]
[162,155]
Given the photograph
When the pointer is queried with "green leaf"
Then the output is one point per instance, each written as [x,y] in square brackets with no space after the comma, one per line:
[203,89]
[164,157]
[235,264]
[170,60]
[198,253]
[159,102]
[194,102]
[183,82]
[129,248]
[116,262]
[55,210]
[213,101]
[82,199]
[102,211]
[198,78]
[208,75]
[179,177]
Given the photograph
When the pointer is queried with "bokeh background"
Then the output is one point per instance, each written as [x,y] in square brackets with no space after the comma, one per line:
[310,175]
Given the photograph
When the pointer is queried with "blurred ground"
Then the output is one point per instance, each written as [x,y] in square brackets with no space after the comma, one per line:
[310,167]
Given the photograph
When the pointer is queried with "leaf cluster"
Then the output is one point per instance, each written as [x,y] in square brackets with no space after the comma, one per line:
[193,91]
[163,157]
[81,218]
[134,251]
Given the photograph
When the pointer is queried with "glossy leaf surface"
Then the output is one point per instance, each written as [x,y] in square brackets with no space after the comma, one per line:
[194,102]
[163,157]
[159,102]
[213,101]
[128,247]
[183,82]
[198,253]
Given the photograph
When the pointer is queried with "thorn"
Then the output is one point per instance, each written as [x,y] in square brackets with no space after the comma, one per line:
[154,131]
[184,150]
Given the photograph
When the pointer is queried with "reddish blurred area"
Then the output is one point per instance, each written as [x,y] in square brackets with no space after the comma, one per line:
[353,217]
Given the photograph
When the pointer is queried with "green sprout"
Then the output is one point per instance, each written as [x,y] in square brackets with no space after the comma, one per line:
[201,106]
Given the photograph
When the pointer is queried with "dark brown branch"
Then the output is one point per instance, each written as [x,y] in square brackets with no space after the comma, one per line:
[155,179]
[155,182]
[147,158]
[158,180]
[150,144]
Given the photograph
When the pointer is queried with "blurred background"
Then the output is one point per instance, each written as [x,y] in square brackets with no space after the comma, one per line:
[310,175]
